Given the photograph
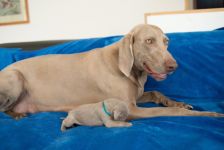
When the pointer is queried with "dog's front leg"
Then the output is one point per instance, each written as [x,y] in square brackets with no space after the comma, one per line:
[159,98]
[138,112]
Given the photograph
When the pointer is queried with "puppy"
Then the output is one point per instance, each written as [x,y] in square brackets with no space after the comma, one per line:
[111,113]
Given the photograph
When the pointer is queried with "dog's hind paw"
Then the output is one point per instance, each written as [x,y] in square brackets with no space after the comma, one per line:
[15,115]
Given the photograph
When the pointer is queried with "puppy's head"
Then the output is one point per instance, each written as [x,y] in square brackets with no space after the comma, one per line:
[118,109]
[120,114]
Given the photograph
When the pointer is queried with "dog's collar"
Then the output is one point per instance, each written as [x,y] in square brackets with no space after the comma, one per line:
[105,110]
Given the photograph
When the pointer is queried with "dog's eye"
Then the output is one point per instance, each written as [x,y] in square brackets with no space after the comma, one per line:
[148,41]
[166,41]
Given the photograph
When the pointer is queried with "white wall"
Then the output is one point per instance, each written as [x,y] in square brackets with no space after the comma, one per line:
[194,20]
[73,19]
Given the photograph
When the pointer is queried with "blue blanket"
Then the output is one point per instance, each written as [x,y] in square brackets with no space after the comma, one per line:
[199,81]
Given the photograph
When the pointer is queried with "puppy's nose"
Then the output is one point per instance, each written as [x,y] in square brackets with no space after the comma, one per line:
[170,65]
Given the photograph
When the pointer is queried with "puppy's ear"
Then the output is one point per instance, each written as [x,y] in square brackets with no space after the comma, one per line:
[119,115]
[126,57]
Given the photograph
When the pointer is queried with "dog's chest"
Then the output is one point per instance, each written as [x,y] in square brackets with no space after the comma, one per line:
[120,87]
[140,92]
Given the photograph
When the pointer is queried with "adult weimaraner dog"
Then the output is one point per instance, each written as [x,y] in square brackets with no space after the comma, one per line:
[63,82]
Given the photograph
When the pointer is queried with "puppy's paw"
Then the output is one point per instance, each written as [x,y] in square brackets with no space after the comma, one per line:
[112,124]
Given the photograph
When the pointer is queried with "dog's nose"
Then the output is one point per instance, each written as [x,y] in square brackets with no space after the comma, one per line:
[171,65]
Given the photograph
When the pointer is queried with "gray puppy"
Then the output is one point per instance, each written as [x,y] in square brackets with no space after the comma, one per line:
[111,113]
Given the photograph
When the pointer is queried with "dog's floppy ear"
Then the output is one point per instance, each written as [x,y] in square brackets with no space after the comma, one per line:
[126,58]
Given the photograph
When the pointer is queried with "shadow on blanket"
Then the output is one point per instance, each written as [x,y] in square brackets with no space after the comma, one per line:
[199,81]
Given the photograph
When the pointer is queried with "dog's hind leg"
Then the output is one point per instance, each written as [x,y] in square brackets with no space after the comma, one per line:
[11,87]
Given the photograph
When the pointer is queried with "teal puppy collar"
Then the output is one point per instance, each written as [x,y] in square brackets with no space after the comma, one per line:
[105,109]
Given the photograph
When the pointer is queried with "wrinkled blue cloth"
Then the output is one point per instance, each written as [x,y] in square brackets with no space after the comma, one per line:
[199,81]
[7,56]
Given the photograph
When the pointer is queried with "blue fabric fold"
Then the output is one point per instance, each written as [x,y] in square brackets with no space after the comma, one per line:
[198,81]
[69,47]
[7,56]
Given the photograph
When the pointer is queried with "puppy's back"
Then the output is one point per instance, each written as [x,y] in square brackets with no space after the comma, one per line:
[87,115]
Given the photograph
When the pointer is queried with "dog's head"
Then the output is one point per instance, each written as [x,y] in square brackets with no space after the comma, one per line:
[145,48]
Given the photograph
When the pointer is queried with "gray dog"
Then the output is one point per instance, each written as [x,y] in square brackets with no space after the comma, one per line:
[110,112]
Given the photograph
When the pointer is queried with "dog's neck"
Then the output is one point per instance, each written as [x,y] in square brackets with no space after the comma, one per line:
[139,77]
